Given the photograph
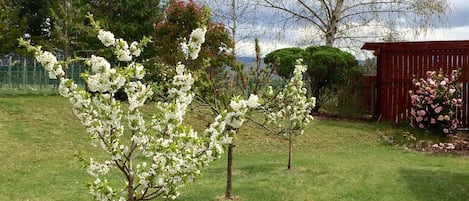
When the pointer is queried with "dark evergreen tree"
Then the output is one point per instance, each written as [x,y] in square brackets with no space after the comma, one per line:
[328,68]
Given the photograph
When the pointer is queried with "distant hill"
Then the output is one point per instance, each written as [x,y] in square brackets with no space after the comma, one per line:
[251,61]
[248,61]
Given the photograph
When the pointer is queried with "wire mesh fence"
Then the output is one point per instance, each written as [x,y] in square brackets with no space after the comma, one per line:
[19,73]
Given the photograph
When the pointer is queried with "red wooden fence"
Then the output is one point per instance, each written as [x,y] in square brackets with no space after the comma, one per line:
[398,62]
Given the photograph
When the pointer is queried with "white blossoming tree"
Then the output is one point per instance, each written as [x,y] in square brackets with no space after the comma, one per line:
[160,153]
[288,110]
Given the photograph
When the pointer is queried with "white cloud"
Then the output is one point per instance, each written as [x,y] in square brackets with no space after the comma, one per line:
[247,48]
[458,33]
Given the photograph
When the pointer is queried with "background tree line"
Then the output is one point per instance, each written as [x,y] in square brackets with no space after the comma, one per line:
[61,26]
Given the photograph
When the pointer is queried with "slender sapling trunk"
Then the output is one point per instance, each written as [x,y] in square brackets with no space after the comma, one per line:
[229,172]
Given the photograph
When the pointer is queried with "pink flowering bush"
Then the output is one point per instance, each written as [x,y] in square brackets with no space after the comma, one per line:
[436,101]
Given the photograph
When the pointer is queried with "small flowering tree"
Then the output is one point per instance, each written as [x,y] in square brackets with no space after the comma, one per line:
[435,102]
[289,110]
[161,153]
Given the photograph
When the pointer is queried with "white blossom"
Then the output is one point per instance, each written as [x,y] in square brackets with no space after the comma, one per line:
[253,101]
[198,35]
[98,64]
[122,44]
[237,105]
[139,72]
[134,49]
[195,49]
[107,38]
[193,46]
[50,63]
[47,60]
[224,49]
[123,55]
[95,169]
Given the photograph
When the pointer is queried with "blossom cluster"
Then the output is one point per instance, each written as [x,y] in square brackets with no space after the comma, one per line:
[122,51]
[436,101]
[170,153]
[192,47]
[290,108]
[50,63]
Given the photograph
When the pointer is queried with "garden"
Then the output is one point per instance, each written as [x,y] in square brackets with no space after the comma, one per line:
[173,115]
[333,160]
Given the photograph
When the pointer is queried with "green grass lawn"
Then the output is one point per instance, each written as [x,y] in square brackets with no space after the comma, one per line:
[334,160]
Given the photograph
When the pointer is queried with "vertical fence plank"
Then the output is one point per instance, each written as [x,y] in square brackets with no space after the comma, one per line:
[465,95]
[403,106]
[397,81]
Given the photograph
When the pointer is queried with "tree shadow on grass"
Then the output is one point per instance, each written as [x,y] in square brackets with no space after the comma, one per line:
[436,184]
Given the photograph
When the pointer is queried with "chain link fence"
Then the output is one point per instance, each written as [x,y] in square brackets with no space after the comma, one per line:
[20,73]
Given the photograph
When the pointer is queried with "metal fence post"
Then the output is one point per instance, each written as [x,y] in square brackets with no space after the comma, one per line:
[25,71]
[34,72]
[9,72]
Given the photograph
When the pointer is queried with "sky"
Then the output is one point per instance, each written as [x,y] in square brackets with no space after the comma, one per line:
[271,38]
[459,24]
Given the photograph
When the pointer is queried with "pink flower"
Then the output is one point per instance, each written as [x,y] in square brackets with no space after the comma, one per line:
[430,73]
[438,109]
[419,119]
[451,91]
[445,130]
[443,83]
[454,126]
[455,101]
[431,82]
[433,121]
[421,126]
[454,72]
[421,113]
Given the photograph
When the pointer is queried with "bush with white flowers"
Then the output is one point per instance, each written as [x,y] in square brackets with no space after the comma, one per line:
[289,109]
[163,152]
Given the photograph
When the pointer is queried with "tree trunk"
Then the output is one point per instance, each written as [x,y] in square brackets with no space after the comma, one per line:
[289,152]
[335,17]
[130,187]
[234,19]
[330,39]
[229,172]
